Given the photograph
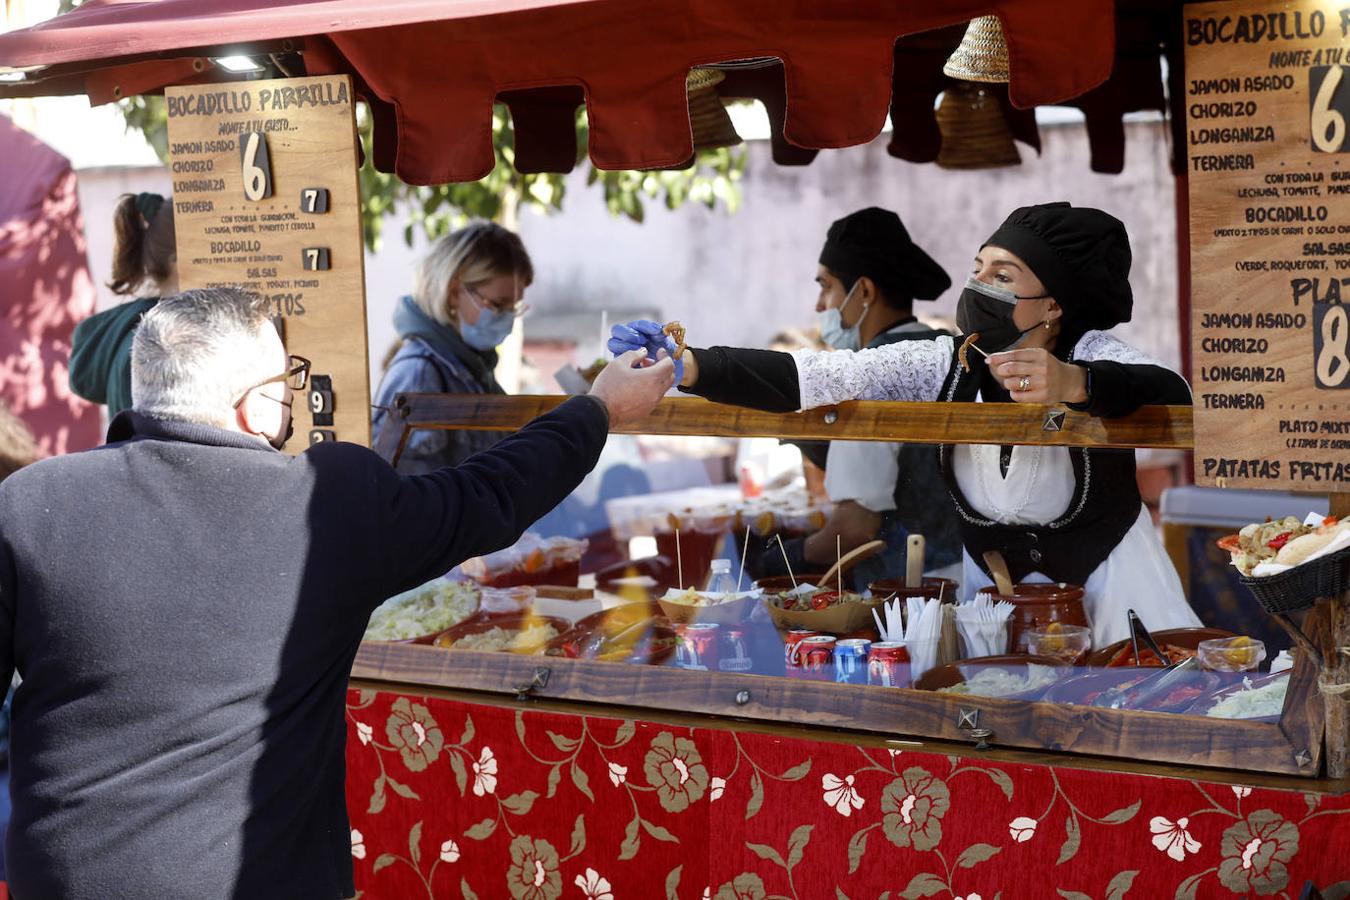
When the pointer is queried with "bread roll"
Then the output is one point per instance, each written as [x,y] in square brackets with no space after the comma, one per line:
[1300,548]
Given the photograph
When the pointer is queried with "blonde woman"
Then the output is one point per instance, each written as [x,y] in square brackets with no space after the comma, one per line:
[467,293]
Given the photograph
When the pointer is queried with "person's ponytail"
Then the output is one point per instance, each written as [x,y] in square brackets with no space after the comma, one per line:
[145,247]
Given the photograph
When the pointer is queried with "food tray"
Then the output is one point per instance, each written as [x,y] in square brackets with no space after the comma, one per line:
[1189,638]
[1303,585]
[1202,706]
[852,615]
[733,612]
[956,673]
[477,624]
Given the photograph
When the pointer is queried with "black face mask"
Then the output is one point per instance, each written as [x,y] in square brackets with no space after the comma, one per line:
[988,311]
[280,441]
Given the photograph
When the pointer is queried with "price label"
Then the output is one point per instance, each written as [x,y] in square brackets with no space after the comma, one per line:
[1331,345]
[315,259]
[319,435]
[256,165]
[1330,106]
[314,200]
[320,402]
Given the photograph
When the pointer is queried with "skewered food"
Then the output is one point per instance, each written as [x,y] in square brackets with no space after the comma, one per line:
[963,354]
[676,331]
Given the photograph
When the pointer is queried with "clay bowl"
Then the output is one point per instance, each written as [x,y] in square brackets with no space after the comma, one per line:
[956,673]
[483,622]
[1188,638]
[931,587]
[1037,605]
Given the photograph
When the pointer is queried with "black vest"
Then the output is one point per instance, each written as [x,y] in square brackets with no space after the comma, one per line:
[1104,507]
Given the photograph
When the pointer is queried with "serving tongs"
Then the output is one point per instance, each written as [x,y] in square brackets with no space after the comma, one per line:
[1139,632]
[1147,688]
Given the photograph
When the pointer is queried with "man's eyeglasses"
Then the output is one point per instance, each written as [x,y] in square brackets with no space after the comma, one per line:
[516,309]
[296,375]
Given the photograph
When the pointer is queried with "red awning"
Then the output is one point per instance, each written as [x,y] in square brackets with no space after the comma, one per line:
[432,69]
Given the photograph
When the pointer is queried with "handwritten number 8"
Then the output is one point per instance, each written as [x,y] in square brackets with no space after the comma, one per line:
[1332,363]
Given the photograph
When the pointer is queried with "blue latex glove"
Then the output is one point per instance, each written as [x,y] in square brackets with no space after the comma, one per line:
[644,334]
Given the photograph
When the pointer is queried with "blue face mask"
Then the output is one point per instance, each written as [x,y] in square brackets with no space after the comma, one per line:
[489,331]
[832,330]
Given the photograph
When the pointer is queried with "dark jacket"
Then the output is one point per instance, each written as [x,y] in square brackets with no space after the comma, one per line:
[184,605]
[433,359]
[100,354]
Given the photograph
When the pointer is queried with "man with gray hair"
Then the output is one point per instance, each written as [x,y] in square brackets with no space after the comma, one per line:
[184,605]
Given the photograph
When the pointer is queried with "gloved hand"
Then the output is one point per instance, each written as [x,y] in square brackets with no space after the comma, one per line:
[644,334]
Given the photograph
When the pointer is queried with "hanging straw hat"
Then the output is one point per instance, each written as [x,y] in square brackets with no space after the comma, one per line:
[707,116]
[974,133]
[983,54]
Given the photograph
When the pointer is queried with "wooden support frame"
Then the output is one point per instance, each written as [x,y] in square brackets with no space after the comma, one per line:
[859,420]
[1159,737]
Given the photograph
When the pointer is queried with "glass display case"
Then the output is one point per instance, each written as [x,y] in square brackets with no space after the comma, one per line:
[1013,667]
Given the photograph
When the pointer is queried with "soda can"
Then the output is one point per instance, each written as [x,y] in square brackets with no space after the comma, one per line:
[733,656]
[888,664]
[790,642]
[816,655]
[850,660]
[697,648]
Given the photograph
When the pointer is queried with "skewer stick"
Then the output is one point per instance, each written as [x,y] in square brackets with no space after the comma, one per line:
[783,550]
[679,562]
[745,548]
[837,560]
[941,587]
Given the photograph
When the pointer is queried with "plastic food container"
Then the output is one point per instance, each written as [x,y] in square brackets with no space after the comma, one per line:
[1231,654]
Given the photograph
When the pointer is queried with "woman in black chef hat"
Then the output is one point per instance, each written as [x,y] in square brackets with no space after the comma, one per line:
[1043,292]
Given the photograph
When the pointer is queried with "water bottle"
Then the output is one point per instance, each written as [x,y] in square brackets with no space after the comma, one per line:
[720,581]
[1284,660]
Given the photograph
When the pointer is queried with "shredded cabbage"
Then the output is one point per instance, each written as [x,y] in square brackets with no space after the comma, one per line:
[435,606]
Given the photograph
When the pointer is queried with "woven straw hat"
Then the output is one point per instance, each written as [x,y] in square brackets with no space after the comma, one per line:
[707,116]
[983,54]
[974,133]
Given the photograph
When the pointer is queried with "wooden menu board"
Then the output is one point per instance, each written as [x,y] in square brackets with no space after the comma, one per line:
[265,198]
[1268,107]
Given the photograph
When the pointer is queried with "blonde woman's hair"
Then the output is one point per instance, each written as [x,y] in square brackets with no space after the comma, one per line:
[478,252]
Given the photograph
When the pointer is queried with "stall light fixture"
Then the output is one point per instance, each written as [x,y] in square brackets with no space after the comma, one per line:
[239,65]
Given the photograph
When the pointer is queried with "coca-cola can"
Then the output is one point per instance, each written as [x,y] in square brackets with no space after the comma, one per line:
[888,664]
[817,657]
[733,656]
[697,648]
[790,642]
[850,660]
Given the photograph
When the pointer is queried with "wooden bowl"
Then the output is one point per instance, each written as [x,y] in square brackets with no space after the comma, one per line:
[957,672]
[484,622]
[1188,638]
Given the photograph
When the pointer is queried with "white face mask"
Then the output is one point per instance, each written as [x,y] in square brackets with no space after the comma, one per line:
[831,322]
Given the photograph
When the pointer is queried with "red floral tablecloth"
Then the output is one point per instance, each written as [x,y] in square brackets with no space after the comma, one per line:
[450,799]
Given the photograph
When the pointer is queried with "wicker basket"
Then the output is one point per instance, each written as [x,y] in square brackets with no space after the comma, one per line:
[1303,585]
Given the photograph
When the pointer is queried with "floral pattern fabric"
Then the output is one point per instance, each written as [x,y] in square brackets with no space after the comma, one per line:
[449,799]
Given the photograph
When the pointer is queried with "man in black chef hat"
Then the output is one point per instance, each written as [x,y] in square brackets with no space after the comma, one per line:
[870,274]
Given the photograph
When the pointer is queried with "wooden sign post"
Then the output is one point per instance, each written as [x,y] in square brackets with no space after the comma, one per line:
[1268,107]
[265,198]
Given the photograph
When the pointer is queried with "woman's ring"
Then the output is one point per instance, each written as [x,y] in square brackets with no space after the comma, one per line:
[1025,383]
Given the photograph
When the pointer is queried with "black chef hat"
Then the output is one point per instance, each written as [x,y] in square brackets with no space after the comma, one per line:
[873,242]
[1081,255]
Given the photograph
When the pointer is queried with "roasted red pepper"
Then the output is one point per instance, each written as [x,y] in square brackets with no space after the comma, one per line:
[1279,540]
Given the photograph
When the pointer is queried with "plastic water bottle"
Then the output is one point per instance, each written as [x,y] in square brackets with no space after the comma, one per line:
[1283,660]
[720,581]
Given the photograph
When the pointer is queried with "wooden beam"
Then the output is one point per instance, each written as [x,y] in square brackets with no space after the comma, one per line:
[861,420]
[1221,743]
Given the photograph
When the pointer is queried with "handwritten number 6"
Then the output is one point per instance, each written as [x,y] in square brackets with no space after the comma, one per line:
[1328,125]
